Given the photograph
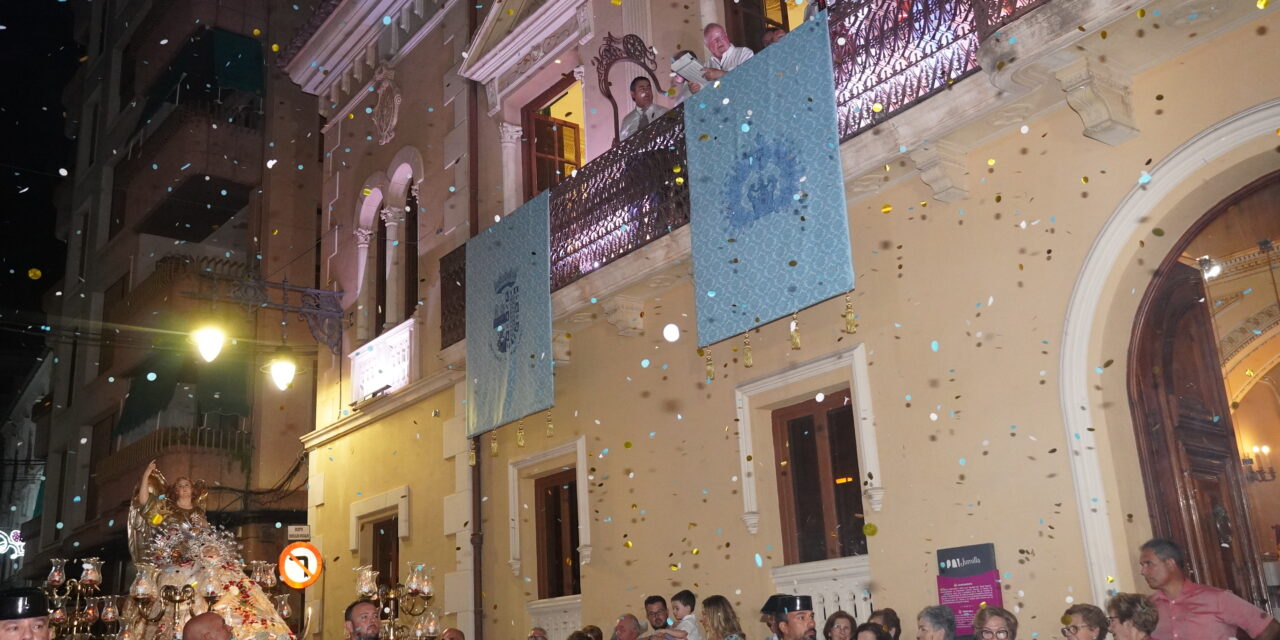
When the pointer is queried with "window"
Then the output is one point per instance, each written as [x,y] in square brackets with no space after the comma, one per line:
[819,484]
[72,366]
[99,449]
[92,142]
[559,570]
[112,308]
[555,149]
[410,249]
[747,20]
[118,200]
[83,266]
[386,550]
[380,250]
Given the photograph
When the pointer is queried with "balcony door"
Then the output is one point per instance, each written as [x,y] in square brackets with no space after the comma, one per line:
[553,143]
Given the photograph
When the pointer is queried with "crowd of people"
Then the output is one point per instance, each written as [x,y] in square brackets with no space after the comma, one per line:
[1179,609]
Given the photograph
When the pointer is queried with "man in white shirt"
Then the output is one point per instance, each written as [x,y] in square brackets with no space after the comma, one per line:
[645,112]
[725,57]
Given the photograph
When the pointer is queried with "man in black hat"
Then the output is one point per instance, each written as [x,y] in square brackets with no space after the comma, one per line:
[770,614]
[795,618]
[24,615]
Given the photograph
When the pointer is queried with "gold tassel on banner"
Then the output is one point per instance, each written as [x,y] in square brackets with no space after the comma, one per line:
[493,444]
[520,434]
[711,366]
[795,331]
[850,324]
[471,453]
[551,429]
[747,361]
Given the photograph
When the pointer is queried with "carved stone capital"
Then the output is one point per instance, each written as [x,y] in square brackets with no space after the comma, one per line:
[584,554]
[942,166]
[391,216]
[509,133]
[579,73]
[752,520]
[1101,97]
[515,567]
[560,348]
[363,236]
[624,313]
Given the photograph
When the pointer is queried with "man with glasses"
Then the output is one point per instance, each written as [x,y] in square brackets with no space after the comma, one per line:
[995,623]
[537,633]
[1190,611]
[1084,622]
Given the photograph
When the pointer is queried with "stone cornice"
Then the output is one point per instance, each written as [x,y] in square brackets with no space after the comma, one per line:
[382,407]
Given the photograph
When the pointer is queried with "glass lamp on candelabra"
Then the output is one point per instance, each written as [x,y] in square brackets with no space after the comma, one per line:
[408,600]
[76,609]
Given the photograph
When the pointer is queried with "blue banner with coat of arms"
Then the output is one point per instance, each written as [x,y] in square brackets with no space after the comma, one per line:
[769,228]
[509,360]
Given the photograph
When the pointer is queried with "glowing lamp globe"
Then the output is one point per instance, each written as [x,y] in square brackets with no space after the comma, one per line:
[282,368]
[209,341]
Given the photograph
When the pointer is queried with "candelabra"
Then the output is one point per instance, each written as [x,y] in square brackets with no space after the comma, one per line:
[411,600]
[76,605]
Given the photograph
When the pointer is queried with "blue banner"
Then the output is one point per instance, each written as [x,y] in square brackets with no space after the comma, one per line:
[770,232]
[509,361]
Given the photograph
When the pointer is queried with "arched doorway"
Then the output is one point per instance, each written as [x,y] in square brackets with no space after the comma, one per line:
[1209,289]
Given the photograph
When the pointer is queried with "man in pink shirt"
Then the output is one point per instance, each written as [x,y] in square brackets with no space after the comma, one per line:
[1190,611]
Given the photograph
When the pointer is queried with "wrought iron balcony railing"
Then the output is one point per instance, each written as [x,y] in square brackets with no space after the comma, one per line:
[625,198]
[888,56]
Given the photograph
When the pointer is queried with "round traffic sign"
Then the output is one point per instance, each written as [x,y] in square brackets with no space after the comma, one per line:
[300,565]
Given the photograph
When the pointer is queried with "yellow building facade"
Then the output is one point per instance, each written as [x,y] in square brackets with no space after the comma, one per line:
[1004,233]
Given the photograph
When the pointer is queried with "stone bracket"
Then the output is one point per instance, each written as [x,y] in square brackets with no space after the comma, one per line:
[1102,98]
[560,348]
[942,167]
[625,313]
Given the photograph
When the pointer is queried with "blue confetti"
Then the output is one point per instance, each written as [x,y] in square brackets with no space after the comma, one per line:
[759,560]
[934,346]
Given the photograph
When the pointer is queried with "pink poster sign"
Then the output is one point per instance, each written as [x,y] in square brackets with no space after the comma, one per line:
[967,581]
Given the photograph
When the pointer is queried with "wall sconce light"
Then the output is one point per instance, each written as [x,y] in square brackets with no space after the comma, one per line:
[1258,468]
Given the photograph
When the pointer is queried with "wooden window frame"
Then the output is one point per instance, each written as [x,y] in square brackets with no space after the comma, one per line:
[738,12]
[529,141]
[786,491]
[391,528]
[410,250]
[547,557]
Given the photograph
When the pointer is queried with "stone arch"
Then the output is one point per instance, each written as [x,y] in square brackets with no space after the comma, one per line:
[1188,182]
[405,164]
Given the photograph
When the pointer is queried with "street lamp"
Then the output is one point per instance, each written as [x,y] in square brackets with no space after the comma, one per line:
[282,367]
[209,341]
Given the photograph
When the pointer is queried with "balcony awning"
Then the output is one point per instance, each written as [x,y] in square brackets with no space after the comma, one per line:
[221,386]
[212,62]
[151,389]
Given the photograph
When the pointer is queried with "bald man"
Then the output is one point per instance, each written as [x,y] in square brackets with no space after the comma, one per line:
[206,626]
[453,634]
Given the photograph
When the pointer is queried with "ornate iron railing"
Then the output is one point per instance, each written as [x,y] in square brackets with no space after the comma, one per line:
[993,14]
[891,54]
[166,439]
[629,196]
[453,296]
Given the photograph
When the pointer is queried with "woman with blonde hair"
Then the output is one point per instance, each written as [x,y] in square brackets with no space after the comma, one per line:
[719,620]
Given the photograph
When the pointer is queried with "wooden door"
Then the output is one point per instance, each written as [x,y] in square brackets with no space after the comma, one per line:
[1186,442]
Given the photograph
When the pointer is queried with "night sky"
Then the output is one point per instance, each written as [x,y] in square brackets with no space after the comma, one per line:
[39,56]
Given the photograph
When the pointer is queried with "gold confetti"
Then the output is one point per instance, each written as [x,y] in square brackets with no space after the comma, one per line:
[877,107]
[1262,4]
[1142,13]
[617,3]
[991,162]
[886,208]
[275,47]
[627,544]
[1103,34]
[257,32]
[34,273]
[1084,179]
[366,191]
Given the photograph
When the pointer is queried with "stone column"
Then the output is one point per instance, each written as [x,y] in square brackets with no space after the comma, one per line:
[365,296]
[512,167]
